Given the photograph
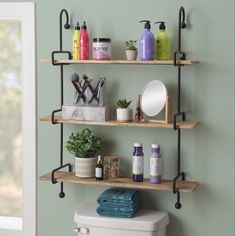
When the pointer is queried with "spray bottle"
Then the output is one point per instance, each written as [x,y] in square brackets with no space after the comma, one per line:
[147,43]
[84,42]
[162,43]
[76,42]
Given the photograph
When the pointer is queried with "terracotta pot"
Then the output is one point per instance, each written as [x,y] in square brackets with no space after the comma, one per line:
[85,167]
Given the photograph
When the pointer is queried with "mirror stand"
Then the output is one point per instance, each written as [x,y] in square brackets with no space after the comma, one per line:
[168,114]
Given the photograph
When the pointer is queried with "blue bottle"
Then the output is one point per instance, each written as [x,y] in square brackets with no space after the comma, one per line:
[138,163]
[155,164]
[147,43]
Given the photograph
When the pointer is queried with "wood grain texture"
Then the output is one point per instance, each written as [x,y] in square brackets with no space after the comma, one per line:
[145,124]
[124,182]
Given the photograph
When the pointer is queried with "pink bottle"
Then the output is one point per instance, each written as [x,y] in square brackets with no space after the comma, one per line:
[84,42]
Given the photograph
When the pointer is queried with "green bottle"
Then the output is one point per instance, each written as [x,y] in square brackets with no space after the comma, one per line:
[162,43]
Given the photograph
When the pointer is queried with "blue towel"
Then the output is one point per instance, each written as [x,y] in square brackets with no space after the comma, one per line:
[117,212]
[117,202]
[119,196]
[121,208]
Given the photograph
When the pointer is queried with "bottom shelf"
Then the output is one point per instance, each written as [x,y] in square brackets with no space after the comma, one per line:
[125,182]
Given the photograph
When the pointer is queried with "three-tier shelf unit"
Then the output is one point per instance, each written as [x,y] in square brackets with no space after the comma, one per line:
[178,183]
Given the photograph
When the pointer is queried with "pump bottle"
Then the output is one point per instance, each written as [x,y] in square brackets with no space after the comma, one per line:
[84,42]
[147,42]
[76,42]
[162,43]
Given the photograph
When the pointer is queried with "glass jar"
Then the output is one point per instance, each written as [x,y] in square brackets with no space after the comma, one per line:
[101,48]
[111,165]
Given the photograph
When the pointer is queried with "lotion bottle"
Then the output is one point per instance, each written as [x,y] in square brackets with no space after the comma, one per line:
[76,42]
[138,163]
[155,164]
[84,42]
[147,42]
[162,43]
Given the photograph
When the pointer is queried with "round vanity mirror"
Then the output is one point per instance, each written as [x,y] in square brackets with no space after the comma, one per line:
[153,97]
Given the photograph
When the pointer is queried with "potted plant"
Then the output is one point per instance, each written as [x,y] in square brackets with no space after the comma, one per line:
[84,147]
[131,50]
[123,112]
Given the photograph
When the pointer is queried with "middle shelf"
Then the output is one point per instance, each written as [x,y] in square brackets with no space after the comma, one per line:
[124,182]
[148,124]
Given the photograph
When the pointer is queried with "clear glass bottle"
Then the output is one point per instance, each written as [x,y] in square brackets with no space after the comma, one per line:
[99,169]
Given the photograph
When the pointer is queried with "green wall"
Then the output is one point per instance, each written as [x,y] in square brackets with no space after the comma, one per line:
[207,96]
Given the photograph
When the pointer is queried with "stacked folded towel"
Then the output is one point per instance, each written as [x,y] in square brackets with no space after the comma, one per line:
[118,202]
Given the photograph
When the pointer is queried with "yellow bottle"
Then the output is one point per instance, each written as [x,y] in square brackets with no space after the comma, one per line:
[162,43]
[76,43]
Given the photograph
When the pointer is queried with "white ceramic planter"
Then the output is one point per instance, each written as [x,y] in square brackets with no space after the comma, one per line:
[131,54]
[85,167]
[124,114]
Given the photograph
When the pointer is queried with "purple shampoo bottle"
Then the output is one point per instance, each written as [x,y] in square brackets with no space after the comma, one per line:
[155,164]
[147,43]
[138,163]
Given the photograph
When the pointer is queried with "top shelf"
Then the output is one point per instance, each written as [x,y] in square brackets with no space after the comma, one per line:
[124,62]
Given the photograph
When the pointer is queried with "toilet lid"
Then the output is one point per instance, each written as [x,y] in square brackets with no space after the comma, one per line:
[145,220]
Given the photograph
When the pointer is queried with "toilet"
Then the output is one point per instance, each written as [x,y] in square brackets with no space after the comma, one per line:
[146,223]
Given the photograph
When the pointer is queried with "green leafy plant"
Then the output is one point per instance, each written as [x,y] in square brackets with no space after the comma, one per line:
[122,103]
[84,144]
[131,45]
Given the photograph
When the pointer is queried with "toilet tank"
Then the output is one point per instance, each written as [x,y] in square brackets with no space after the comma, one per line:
[145,223]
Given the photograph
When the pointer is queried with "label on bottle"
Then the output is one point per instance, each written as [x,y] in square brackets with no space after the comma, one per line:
[98,172]
[84,50]
[76,50]
[155,166]
[138,163]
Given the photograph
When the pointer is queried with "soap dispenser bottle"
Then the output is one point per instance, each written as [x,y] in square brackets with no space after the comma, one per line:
[162,43]
[76,42]
[147,42]
[84,42]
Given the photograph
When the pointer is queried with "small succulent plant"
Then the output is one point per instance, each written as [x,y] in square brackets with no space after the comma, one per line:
[123,103]
[131,45]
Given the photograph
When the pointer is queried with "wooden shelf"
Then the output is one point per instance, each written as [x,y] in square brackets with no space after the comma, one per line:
[125,182]
[123,62]
[180,124]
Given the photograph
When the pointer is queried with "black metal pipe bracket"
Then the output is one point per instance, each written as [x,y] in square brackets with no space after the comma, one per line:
[54,181]
[53,120]
[56,62]
[179,55]
[181,175]
[175,116]
[61,51]
[66,25]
